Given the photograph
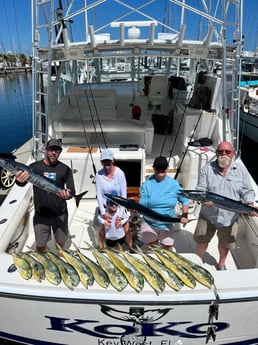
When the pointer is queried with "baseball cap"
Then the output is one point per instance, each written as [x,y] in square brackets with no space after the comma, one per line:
[106,155]
[54,142]
[111,202]
[160,163]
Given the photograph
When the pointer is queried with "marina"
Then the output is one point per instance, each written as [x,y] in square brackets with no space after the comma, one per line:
[131,90]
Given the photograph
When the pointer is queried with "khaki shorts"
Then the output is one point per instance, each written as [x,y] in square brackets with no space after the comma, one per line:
[150,235]
[205,231]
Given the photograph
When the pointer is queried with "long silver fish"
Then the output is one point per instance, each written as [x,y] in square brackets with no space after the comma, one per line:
[35,178]
[145,211]
[219,201]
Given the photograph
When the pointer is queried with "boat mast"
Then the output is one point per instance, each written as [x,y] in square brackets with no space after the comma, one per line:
[238,45]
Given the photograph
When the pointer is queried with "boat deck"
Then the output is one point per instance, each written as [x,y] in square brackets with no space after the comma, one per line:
[84,229]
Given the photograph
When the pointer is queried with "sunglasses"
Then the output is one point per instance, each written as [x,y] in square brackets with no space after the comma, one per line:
[111,203]
[54,149]
[222,152]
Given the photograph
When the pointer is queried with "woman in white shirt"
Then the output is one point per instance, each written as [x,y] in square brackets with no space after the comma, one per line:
[111,180]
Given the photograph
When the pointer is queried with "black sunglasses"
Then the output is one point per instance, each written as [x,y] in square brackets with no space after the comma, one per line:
[54,149]
[222,152]
[111,203]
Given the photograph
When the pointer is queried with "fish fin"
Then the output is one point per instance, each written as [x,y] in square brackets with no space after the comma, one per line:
[76,247]
[138,250]
[90,246]
[79,197]
[31,250]
[59,247]
[12,268]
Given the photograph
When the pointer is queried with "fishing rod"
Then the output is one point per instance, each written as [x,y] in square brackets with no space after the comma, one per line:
[178,130]
[170,119]
[188,144]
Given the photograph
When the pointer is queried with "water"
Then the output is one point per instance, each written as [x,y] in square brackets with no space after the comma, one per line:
[15,110]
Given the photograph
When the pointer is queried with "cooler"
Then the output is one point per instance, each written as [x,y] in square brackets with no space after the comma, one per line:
[195,159]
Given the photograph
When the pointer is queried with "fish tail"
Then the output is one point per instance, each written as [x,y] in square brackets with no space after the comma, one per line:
[79,197]
[7,155]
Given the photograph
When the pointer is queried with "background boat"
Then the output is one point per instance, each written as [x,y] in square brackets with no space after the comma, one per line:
[249,98]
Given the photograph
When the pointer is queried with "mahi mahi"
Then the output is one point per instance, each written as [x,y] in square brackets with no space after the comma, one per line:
[51,270]
[35,178]
[134,278]
[22,266]
[99,274]
[218,201]
[170,278]
[180,271]
[116,277]
[83,271]
[69,275]
[199,273]
[38,271]
[150,275]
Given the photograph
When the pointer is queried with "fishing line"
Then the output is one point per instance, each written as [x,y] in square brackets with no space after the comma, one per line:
[189,143]
[91,116]
[97,115]
[86,137]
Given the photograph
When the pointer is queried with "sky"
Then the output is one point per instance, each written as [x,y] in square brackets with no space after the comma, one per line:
[15,22]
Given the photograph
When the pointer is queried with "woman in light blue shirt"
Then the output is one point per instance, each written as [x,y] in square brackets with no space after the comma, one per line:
[160,193]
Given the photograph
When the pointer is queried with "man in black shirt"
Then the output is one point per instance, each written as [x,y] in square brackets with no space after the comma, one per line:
[50,209]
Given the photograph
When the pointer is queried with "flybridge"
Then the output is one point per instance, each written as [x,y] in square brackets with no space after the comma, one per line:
[102,46]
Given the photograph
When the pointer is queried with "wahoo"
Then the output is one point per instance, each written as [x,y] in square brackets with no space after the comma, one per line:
[219,201]
[35,178]
[145,211]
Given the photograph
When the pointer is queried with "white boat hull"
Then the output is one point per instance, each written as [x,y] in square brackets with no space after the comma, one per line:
[68,320]
[249,125]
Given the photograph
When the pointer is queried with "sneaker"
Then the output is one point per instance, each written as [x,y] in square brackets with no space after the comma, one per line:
[221,268]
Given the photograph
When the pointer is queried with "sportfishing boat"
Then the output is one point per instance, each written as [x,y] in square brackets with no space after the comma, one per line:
[249,108]
[107,74]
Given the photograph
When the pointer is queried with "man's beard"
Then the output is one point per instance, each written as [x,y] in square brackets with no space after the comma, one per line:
[52,160]
[224,161]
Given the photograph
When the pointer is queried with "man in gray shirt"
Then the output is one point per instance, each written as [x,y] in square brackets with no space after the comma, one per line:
[230,179]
